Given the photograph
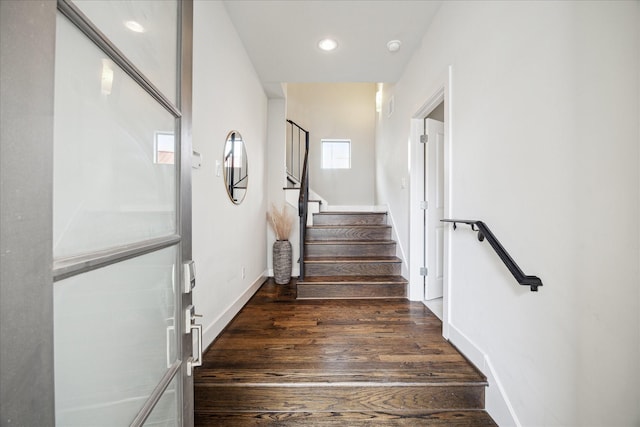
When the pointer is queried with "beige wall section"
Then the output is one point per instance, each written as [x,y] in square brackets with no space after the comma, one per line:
[335,111]
[227,238]
[544,148]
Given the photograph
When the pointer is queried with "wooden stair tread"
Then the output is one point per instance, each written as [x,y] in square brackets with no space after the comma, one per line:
[361,259]
[349,218]
[338,399]
[323,226]
[215,373]
[350,242]
[463,418]
[339,280]
[350,213]
[350,233]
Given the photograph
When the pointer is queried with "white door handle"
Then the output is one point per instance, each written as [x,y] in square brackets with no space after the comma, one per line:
[191,362]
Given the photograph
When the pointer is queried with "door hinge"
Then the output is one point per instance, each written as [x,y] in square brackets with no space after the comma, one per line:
[424,139]
[424,271]
[424,204]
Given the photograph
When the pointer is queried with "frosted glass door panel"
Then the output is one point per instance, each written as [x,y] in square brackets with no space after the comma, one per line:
[114,339]
[145,31]
[165,413]
[114,174]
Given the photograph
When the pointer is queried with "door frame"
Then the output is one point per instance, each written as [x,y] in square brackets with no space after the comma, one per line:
[185,223]
[27,39]
[441,92]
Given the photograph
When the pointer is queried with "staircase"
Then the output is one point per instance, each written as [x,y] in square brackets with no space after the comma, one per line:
[351,255]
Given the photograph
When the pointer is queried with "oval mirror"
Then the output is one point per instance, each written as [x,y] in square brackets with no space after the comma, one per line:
[236,174]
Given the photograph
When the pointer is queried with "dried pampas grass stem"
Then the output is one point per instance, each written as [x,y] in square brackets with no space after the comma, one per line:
[281,222]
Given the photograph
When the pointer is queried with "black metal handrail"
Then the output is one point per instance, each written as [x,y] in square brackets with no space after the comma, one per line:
[303,198]
[296,136]
[484,232]
[235,184]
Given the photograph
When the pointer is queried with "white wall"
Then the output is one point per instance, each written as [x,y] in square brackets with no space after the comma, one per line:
[336,111]
[277,170]
[544,149]
[227,95]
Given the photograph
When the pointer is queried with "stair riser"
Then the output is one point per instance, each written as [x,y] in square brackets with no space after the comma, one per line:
[352,269]
[350,219]
[349,233]
[351,291]
[342,250]
[337,398]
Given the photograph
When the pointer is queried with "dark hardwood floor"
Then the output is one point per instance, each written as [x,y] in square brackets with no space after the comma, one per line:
[291,362]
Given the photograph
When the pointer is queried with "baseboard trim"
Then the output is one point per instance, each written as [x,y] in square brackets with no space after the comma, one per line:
[214,329]
[496,400]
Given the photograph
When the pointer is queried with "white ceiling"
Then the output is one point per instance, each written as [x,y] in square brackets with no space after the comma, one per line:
[281,38]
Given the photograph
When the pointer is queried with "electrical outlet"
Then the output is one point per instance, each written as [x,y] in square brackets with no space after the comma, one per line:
[244,273]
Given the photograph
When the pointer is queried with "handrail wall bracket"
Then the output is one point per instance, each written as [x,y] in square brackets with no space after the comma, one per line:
[485,233]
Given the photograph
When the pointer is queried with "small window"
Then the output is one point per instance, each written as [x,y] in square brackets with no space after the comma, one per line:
[336,154]
[164,148]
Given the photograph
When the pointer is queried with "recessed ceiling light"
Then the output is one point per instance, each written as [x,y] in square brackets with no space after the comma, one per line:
[394,45]
[134,26]
[327,44]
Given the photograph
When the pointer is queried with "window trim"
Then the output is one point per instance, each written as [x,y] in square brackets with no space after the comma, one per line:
[333,140]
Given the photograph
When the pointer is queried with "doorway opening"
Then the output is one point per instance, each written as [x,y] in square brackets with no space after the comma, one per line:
[430,202]
[432,160]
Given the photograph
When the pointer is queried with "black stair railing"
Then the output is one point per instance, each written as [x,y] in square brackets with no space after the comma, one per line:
[485,233]
[234,183]
[303,198]
[295,152]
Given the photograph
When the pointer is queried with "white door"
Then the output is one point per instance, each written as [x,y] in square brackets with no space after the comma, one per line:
[434,195]
[121,223]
